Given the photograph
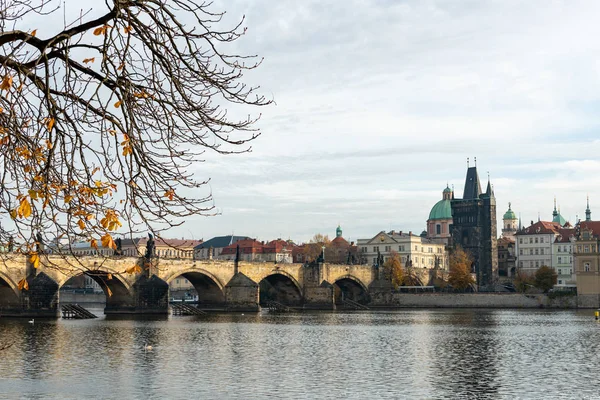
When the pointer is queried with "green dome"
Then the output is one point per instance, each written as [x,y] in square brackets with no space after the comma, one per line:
[441,210]
[559,218]
[510,214]
[447,190]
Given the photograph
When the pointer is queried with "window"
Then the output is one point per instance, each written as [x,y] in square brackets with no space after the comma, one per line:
[536,239]
[388,248]
[430,250]
[537,264]
[520,240]
[560,262]
[416,248]
[541,251]
[536,252]
[401,248]
[559,282]
[560,271]
[530,252]
[530,240]
[579,248]
[586,267]
[586,248]
[521,252]
[438,229]
[520,264]
[530,264]
[375,249]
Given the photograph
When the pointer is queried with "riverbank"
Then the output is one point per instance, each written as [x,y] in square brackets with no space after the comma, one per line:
[482,300]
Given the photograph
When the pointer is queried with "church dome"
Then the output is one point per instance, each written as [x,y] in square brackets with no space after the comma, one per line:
[441,210]
[510,214]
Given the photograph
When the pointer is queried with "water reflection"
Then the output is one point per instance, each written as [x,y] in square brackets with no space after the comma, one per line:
[403,354]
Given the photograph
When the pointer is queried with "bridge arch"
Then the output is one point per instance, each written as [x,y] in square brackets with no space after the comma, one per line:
[208,287]
[116,287]
[9,292]
[282,287]
[350,287]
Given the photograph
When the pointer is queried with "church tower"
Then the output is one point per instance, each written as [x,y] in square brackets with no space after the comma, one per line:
[474,228]
[510,224]
[588,212]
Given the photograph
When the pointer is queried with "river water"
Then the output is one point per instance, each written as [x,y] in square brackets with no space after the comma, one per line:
[432,354]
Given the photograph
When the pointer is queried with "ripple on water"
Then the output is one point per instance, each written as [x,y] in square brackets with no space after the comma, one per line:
[412,353]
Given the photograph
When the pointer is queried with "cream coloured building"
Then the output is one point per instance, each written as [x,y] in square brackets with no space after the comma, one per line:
[421,251]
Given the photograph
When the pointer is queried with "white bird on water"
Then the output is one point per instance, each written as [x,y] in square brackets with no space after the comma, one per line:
[147,347]
[32,321]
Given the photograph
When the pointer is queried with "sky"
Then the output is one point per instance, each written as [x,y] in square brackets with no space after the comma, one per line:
[378,105]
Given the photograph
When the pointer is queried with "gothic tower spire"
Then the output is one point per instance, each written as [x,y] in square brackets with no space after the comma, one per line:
[588,212]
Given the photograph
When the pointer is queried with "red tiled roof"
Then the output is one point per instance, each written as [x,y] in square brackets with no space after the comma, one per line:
[541,227]
[247,246]
[594,226]
[339,242]
[564,235]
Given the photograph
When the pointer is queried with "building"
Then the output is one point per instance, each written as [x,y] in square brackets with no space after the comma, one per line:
[339,251]
[506,257]
[420,251]
[562,258]
[534,245]
[586,253]
[474,228]
[170,248]
[212,248]
[439,222]
[510,224]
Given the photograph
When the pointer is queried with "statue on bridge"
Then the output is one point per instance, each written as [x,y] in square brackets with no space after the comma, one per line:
[39,243]
[149,247]
[119,248]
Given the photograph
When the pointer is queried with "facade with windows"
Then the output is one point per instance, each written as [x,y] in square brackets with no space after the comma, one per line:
[586,254]
[562,258]
[533,245]
[420,251]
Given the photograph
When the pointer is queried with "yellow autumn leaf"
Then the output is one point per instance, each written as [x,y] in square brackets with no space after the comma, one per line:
[127,150]
[94,243]
[24,208]
[108,291]
[109,277]
[13,213]
[170,194]
[128,29]
[49,123]
[101,30]
[35,260]
[33,194]
[81,224]
[68,198]
[89,60]
[136,269]
[33,32]
[7,82]
[23,284]
[107,241]
[118,104]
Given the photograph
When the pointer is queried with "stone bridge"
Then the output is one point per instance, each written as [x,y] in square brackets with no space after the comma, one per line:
[221,285]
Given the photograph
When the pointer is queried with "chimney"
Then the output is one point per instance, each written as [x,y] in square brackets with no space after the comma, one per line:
[393,232]
[409,233]
[531,222]
[400,233]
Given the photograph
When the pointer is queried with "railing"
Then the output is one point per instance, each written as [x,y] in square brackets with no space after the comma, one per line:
[274,306]
[354,305]
[74,311]
[186,309]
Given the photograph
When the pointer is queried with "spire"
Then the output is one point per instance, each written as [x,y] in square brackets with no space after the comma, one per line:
[520,226]
[554,213]
[588,212]
[472,185]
